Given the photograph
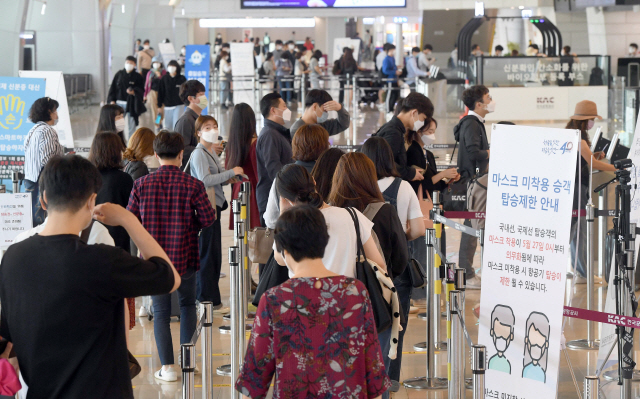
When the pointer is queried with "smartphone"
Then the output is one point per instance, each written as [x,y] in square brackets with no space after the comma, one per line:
[242,176]
[158,119]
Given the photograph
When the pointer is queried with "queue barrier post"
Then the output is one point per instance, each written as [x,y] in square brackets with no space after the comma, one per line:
[188,366]
[242,287]
[237,322]
[478,367]
[456,368]
[590,343]
[591,387]
[303,89]
[207,349]
[430,381]
[438,275]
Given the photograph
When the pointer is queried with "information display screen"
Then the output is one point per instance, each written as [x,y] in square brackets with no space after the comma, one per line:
[321,3]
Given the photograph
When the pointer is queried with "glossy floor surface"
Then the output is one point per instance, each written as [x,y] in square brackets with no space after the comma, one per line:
[142,340]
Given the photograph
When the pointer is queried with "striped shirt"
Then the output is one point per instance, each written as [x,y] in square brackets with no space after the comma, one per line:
[40,145]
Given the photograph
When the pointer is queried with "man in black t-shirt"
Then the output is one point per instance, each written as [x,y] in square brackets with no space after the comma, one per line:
[62,300]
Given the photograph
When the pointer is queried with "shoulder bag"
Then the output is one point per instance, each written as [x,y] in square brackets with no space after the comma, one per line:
[382,293]
[260,243]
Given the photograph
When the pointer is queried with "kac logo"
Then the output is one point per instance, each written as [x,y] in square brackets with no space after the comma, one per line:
[545,102]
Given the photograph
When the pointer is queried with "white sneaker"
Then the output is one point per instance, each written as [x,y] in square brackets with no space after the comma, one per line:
[221,310]
[143,312]
[474,283]
[166,375]
[223,275]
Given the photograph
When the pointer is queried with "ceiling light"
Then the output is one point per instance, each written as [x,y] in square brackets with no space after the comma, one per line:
[257,22]
[182,10]
[44,8]
[521,7]
[123,8]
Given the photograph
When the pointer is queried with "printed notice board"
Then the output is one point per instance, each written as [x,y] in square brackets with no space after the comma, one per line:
[15,216]
[16,97]
[197,67]
[528,222]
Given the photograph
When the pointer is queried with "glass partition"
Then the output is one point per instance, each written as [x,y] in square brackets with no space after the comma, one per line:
[581,70]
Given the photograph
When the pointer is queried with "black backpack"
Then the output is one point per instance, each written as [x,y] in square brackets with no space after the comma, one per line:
[390,195]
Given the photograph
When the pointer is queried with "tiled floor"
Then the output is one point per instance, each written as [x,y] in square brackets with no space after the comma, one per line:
[414,363]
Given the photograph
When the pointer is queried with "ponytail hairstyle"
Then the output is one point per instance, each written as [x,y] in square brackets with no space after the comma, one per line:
[296,184]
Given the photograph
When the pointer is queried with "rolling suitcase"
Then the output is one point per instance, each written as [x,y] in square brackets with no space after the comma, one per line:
[175,306]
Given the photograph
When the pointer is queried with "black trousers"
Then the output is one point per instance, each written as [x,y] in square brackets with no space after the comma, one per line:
[208,277]
[392,96]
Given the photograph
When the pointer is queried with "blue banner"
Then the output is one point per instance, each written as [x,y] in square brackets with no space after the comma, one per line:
[16,97]
[197,66]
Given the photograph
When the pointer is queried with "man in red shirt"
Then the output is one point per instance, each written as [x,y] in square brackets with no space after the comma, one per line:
[308,44]
[173,207]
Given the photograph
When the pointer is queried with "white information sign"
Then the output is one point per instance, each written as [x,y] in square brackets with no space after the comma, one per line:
[634,155]
[15,216]
[340,43]
[167,52]
[242,70]
[55,89]
[529,204]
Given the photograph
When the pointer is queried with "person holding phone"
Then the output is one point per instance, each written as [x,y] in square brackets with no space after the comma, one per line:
[207,167]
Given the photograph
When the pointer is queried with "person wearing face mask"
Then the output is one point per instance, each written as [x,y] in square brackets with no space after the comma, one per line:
[127,90]
[112,120]
[284,67]
[152,86]
[413,72]
[40,145]
[583,119]
[277,53]
[207,167]
[502,324]
[273,148]
[169,102]
[633,50]
[192,94]
[391,72]
[145,57]
[317,105]
[266,42]
[424,59]
[473,160]
[414,111]
[536,347]
[224,72]
[183,56]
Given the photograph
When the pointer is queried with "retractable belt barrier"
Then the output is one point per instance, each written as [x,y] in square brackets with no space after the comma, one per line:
[482,215]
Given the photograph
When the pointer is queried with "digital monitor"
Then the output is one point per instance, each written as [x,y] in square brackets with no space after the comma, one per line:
[612,147]
[596,139]
[322,3]
[617,150]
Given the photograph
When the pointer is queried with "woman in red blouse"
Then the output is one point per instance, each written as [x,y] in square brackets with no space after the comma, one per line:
[241,151]
[315,332]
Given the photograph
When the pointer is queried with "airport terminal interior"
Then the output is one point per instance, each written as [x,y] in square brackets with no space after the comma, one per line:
[150,70]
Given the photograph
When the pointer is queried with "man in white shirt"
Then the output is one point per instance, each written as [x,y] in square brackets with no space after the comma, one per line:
[424,60]
[381,56]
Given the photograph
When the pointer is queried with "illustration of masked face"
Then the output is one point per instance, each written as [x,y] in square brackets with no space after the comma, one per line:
[537,344]
[502,336]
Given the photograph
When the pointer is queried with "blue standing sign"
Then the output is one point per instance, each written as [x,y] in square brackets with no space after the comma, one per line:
[16,97]
[198,66]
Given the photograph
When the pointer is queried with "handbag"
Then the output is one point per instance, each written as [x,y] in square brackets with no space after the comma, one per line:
[134,366]
[426,206]
[418,276]
[366,273]
[454,197]
[272,276]
[260,243]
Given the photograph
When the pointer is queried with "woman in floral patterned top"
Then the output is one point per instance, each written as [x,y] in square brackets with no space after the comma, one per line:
[315,332]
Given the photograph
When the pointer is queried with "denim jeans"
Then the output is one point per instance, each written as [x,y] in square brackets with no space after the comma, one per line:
[403,287]
[225,91]
[285,83]
[468,246]
[37,212]
[131,122]
[162,316]
[210,262]
[385,345]
[171,116]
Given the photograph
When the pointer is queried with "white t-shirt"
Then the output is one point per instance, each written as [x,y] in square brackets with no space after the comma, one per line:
[408,204]
[340,253]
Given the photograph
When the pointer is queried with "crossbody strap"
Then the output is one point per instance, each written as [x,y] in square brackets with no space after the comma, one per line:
[356,223]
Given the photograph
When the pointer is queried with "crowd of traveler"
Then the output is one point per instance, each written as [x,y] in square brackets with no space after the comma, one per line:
[141,217]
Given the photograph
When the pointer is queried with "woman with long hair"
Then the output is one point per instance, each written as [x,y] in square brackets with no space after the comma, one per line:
[583,119]
[324,169]
[314,70]
[138,153]
[355,184]
[112,120]
[241,151]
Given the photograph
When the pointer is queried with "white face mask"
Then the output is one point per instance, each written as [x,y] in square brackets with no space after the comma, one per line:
[417,125]
[286,115]
[428,138]
[324,117]
[146,47]
[171,69]
[500,343]
[210,136]
[183,51]
[55,122]
[536,352]
[631,50]
[491,107]
[204,103]
[590,124]
[120,125]
[278,47]
[156,65]
[129,67]
[291,47]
